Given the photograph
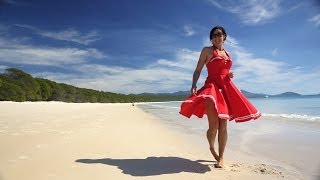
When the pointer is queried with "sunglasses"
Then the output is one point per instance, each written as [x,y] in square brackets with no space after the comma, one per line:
[219,34]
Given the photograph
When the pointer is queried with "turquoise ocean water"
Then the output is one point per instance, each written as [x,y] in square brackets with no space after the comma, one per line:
[298,109]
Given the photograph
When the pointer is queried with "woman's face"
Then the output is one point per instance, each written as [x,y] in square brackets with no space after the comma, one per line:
[217,37]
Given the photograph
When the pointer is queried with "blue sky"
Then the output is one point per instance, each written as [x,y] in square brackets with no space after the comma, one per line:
[126,46]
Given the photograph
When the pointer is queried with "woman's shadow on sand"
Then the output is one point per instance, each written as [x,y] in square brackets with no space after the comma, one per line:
[153,165]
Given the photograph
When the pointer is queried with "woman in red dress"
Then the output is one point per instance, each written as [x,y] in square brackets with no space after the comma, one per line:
[219,98]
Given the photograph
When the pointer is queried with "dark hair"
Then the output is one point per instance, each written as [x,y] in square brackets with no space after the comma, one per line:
[221,28]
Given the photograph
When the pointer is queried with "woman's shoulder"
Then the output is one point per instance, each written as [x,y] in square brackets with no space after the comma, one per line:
[207,49]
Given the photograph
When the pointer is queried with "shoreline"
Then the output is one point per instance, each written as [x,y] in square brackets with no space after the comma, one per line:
[277,143]
[118,141]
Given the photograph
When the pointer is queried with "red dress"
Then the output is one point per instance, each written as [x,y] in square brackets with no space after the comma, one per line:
[228,100]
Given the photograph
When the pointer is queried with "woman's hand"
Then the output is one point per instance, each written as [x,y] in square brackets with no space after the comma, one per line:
[231,74]
[193,90]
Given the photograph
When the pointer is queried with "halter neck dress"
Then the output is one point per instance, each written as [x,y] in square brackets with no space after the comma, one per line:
[229,102]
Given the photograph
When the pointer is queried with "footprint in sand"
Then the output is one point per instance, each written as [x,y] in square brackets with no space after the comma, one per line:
[265,169]
[235,167]
[257,168]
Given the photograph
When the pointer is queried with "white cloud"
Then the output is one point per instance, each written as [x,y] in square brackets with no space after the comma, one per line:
[251,12]
[254,74]
[14,51]
[152,78]
[70,34]
[315,19]
[294,7]
[161,76]
[189,31]
[123,80]
[185,58]
[272,76]
[232,42]
[73,35]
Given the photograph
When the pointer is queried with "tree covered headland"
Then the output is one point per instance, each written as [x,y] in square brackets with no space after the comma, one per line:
[16,85]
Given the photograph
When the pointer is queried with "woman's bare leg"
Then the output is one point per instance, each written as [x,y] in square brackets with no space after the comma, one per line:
[213,126]
[222,139]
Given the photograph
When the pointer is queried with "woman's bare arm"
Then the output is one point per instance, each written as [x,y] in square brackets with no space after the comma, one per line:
[197,71]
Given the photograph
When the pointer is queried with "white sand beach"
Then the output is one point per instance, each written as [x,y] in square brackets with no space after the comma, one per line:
[55,140]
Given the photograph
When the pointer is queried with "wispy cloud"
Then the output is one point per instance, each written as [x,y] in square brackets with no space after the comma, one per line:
[185,59]
[274,52]
[14,51]
[251,12]
[70,34]
[73,35]
[315,19]
[294,7]
[161,76]
[189,31]
[83,73]
[269,75]
[123,79]
[251,73]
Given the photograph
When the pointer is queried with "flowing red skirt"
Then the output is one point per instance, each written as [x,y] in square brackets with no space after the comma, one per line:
[229,103]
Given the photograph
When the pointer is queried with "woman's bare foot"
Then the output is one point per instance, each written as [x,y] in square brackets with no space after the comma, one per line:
[220,163]
[215,155]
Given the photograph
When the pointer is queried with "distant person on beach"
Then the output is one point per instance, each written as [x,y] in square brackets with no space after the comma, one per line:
[219,98]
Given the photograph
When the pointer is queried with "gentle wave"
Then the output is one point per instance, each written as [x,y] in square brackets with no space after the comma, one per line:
[299,117]
[295,116]
[162,106]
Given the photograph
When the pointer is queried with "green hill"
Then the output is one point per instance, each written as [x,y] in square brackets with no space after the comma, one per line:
[16,85]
